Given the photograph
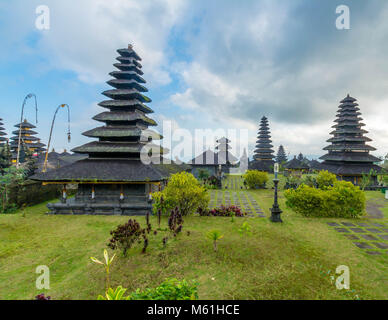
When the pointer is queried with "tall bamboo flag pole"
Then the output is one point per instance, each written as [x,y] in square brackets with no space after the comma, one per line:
[51,132]
[30,95]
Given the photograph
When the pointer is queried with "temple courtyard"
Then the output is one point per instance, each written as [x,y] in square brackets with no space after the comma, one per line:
[293,260]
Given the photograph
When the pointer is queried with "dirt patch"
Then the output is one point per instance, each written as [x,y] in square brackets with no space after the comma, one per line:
[373,209]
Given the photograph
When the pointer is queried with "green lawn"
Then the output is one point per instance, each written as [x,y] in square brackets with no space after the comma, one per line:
[278,261]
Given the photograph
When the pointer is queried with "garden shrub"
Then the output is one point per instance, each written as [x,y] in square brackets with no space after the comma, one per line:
[182,191]
[175,222]
[255,179]
[126,235]
[326,179]
[343,199]
[170,289]
[222,211]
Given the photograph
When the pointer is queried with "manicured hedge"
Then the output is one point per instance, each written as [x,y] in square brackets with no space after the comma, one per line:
[343,199]
[32,192]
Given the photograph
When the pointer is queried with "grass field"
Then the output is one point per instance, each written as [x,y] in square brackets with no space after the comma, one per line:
[293,260]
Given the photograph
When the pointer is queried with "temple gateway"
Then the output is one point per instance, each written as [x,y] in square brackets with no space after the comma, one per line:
[112,179]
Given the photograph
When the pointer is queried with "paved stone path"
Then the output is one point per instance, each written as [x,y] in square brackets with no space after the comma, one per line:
[233,182]
[242,199]
[371,237]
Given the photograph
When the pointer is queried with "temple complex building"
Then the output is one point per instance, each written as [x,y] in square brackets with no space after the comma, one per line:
[348,154]
[264,154]
[115,179]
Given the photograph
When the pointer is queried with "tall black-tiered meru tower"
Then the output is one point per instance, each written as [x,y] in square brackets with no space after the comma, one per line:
[264,154]
[115,179]
[348,154]
[28,141]
[3,135]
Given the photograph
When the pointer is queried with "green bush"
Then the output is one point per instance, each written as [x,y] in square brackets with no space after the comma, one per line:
[170,289]
[255,179]
[184,192]
[325,179]
[343,199]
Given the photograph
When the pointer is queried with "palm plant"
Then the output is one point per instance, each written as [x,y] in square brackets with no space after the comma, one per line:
[214,235]
[106,265]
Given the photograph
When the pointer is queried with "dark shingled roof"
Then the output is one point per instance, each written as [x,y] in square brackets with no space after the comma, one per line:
[104,171]
[262,165]
[296,164]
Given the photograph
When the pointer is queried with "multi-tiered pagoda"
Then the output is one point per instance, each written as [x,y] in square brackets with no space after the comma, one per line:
[225,158]
[264,154]
[115,178]
[348,155]
[3,139]
[29,142]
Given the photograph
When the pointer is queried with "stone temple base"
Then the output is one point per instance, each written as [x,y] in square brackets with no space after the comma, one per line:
[106,201]
[125,209]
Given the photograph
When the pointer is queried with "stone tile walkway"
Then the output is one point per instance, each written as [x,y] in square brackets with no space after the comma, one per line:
[370,237]
[233,182]
[242,199]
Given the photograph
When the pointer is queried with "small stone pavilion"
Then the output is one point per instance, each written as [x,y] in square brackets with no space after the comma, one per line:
[114,179]
[348,154]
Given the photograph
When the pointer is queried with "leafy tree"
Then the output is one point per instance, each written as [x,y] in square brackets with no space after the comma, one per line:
[29,164]
[9,177]
[184,192]
[281,156]
[255,179]
[5,157]
[203,174]
[325,179]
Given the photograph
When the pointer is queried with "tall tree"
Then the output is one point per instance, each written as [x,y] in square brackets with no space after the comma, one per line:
[281,156]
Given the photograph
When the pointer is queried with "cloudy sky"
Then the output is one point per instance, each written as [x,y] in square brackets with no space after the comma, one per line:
[219,64]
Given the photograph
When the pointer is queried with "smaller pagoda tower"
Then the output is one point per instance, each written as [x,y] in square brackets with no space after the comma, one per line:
[3,139]
[28,141]
[348,154]
[264,154]
[224,157]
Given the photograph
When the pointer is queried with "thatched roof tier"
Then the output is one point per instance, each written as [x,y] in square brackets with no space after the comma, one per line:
[122,131]
[349,157]
[123,84]
[129,67]
[100,170]
[25,124]
[125,105]
[346,169]
[122,116]
[352,147]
